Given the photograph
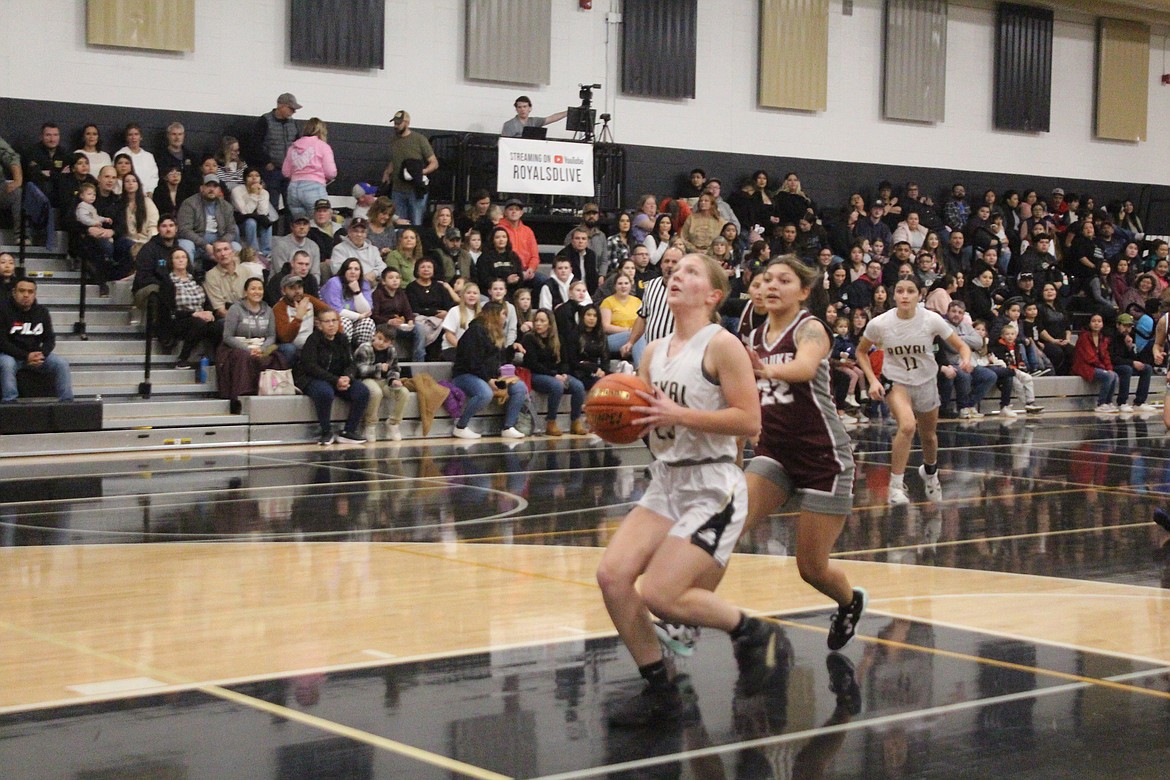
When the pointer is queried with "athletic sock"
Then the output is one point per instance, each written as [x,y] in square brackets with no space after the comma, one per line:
[930,468]
[896,480]
[656,674]
[740,627]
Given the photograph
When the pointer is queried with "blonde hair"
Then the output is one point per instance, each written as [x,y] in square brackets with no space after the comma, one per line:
[466,314]
[318,128]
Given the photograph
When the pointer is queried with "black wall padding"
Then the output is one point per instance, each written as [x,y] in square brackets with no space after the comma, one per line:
[658,47]
[1023,68]
[343,33]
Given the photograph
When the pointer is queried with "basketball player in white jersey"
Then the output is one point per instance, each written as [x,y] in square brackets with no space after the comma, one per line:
[909,382]
[803,451]
[1161,332]
[690,518]
[1161,342]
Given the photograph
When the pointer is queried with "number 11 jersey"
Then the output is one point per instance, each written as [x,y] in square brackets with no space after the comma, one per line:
[909,344]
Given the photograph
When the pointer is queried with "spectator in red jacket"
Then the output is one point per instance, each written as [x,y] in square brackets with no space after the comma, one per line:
[1091,362]
[523,243]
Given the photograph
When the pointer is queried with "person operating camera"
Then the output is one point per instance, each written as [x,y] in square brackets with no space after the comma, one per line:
[514,127]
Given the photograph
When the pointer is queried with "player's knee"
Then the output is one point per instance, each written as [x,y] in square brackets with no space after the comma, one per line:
[612,577]
[906,429]
[812,572]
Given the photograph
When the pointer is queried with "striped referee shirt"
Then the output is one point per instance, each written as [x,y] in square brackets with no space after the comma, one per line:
[658,316]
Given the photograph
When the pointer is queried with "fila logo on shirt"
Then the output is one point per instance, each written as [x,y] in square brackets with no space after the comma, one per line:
[26,329]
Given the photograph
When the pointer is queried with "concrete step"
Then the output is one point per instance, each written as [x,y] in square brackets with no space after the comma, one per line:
[44,278]
[71,347]
[102,331]
[151,413]
[108,316]
[88,362]
[70,294]
[105,390]
[50,264]
[9,245]
[100,375]
[126,440]
[139,409]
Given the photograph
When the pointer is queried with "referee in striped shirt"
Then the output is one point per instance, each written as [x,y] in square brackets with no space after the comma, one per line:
[655,319]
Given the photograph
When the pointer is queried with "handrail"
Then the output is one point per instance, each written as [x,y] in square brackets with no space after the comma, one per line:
[152,304]
[79,326]
[22,232]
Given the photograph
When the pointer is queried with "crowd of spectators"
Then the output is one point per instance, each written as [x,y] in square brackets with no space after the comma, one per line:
[247,254]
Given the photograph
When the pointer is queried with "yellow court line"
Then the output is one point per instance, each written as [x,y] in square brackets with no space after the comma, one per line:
[979,659]
[219,692]
[393,746]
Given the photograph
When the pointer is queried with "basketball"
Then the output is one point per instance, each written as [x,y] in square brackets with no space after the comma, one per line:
[607,407]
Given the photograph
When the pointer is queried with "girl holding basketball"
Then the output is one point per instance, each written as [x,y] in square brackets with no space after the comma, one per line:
[909,381]
[803,448]
[684,528]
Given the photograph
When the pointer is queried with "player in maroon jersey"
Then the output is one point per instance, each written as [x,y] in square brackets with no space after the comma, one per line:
[803,447]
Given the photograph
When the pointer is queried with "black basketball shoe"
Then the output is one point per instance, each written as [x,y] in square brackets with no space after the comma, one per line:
[843,624]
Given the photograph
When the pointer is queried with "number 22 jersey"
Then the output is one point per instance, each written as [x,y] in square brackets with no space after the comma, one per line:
[801,430]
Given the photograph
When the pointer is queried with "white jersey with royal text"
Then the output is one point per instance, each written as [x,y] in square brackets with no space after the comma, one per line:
[908,344]
[682,379]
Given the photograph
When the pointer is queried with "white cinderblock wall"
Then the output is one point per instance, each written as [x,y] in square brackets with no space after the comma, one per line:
[239,66]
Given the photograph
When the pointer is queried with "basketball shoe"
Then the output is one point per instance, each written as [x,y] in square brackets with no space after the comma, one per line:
[933,485]
[843,624]
[676,638]
[843,682]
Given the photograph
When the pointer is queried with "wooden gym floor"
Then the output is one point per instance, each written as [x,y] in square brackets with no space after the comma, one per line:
[429,610]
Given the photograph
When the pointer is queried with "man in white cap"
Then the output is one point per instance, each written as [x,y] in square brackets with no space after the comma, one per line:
[364,195]
[412,161]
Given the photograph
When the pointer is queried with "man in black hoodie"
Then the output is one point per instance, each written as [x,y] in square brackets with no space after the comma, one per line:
[150,264]
[27,341]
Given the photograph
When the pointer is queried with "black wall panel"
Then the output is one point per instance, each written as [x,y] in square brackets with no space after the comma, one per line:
[341,33]
[1023,68]
[658,47]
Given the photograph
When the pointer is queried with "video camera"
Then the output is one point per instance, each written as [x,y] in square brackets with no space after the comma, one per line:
[581,119]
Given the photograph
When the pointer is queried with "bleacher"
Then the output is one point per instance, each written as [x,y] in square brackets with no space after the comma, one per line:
[183,413]
[180,412]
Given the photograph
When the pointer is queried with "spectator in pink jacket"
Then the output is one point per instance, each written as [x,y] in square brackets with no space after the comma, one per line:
[309,166]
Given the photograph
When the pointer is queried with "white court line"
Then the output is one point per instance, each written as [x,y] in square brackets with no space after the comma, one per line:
[1035,445]
[929,713]
[118,687]
[380,654]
